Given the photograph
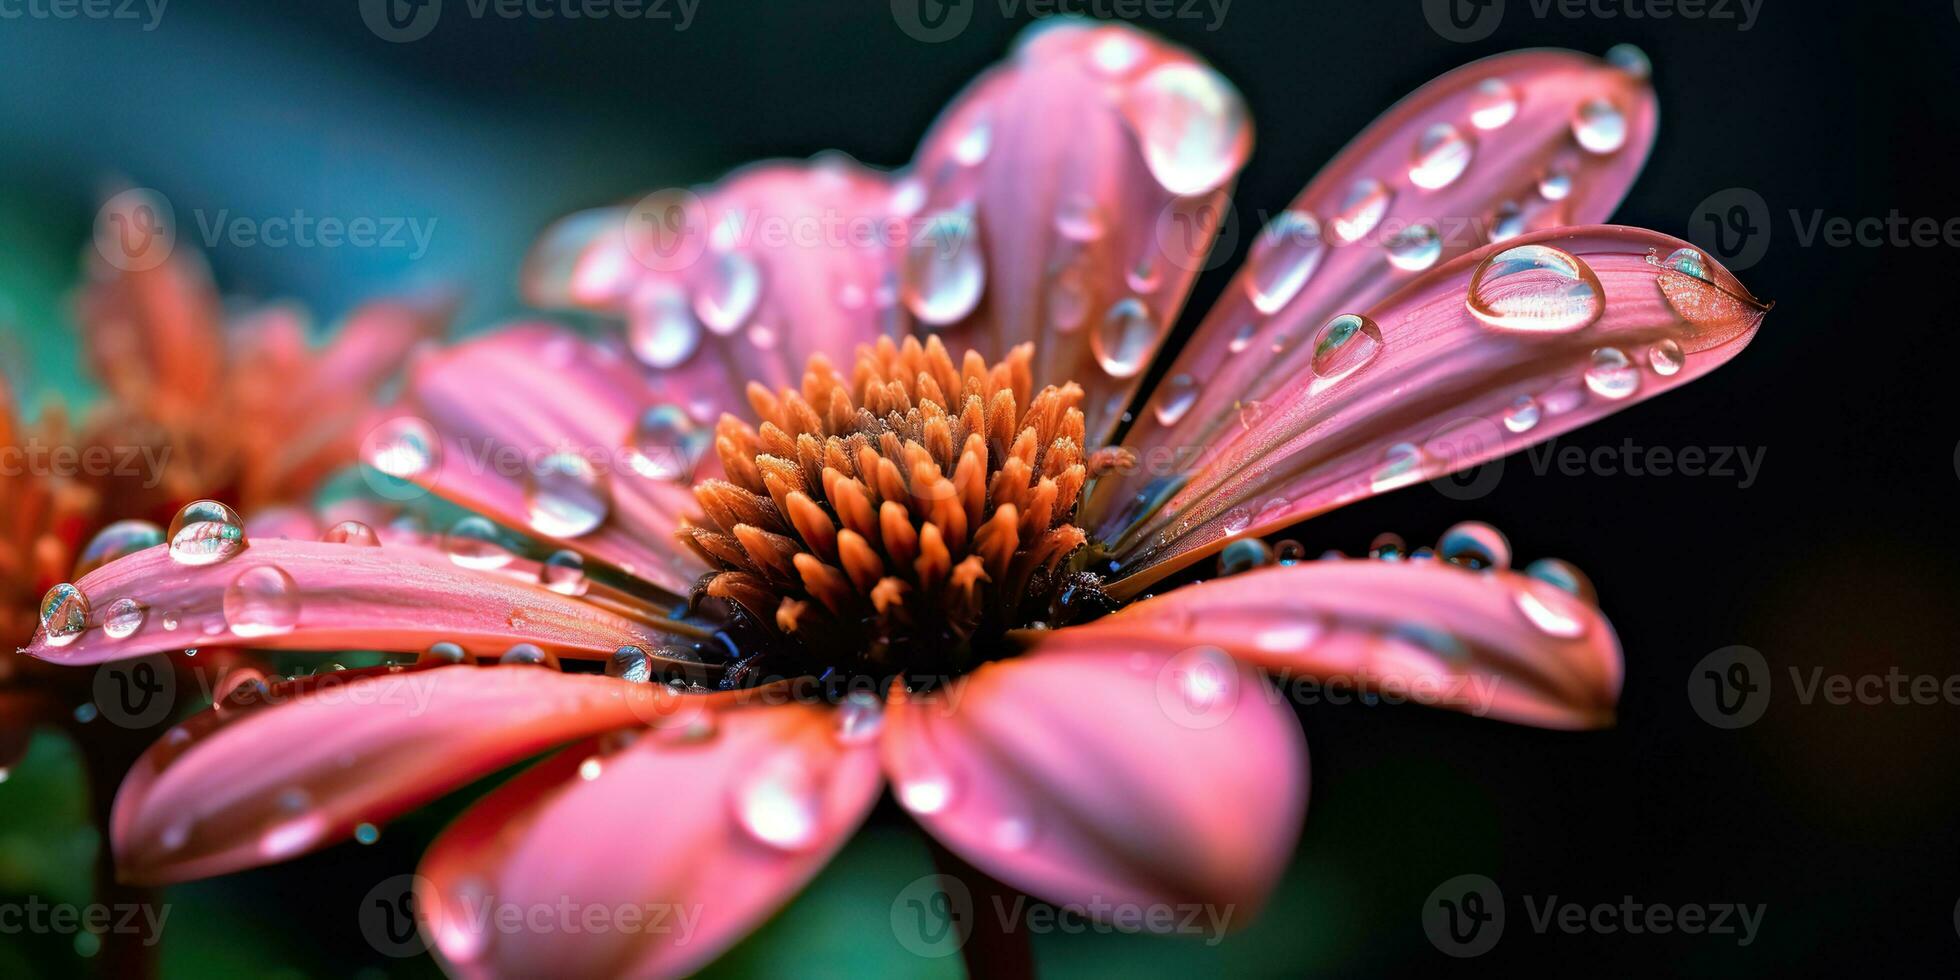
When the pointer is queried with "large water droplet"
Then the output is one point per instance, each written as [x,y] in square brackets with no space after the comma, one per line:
[1599,126]
[124,617]
[564,573]
[1442,153]
[1191,125]
[660,326]
[1284,257]
[566,496]
[945,272]
[206,532]
[64,614]
[728,291]
[1522,414]
[630,663]
[1666,358]
[1475,545]
[352,533]
[1611,374]
[777,802]
[1414,248]
[474,542]
[118,540]
[1535,288]
[1179,393]
[1493,104]
[1551,610]
[1344,344]
[262,601]
[1688,262]
[1362,209]
[1125,338]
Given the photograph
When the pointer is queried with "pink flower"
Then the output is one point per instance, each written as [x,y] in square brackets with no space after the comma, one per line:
[958,521]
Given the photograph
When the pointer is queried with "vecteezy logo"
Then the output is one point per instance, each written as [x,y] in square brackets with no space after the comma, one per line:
[401,21]
[136,230]
[1730,687]
[1194,234]
[135,693]
[932,21]
[1464,916]
[1460,445]
[933,916]
[666,231]
[1733,226]
[1463,21]
[1199,688]
[388,917]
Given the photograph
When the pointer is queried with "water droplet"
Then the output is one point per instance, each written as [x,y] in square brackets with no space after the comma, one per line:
[1611,374]
[1079,218]
[1563,576]
[1344,344]
[1237,519]
[474,542]
[1401,465]
[566,496]
[403,447]
[1414,248]
[728,291]
[1362,209]
[1666,358]
[1493,104]
[206,532]
[262,601]
[366,833]
[64,614]
[630,663]
[945,272]
[1555,184]
[1554,612]
[1191,125]
[564,573]
[1125,338]
[118,540]
[292,837]
[1179,393]
[124,617]
[1115,53]
[1290,552]
[1442,153]
[442,654]
[1599,126]
[665,444]
[1630,59]
[1688,262]
[1507,222]
[170,620]
[1387,546]
[777,802]
[926,793]
[1475,545]
[1146,275]
[1522,414]
[1244,555]
[660,326]
[1535,288]
[1251,413]
[1243,338]
[1284,257]
[972,146]
[529,655]
[352,533]
[860,716]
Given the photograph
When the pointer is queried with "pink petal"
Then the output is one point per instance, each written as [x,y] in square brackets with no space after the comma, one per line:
[716,833]
[153,335]
[397,598]
[1442,391]
[1496,643]
[1303,270]
[1086,775]
[497,426]
[1080,180]
[305,762]
[741,281]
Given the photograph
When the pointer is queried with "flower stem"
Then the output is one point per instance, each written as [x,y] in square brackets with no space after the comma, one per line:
[995,947]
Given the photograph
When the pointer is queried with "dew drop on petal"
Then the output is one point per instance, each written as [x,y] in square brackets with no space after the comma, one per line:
[529,655]
[1564,576]
[123,618]
[973,145]
[1284,257]
[630,663]
[1388,546]
[1475,545]
[1125,338]
[1666,358]
[1493,104]
[1442,153]
[1362,209]
[564,573]
[1555,184]
[860,716]
[1243,555]
[292,837]
[118,540]
[64,614]
[1345,344]
[352,533]
[945,272]
[443,653]
[1522,414]
[1414,248]
[1175,398]
[1535,288]
[1551,610]
[1599,126]
[1401,465]
[1079,218]
[1191,126]
[660,326]
[665,443]
[474,542]
[777,802]
[206,532]
[1630,59]
[1243,338]
[403,447]
[1688,262]
[1611,374]
[262,601]
[728,291]
[1507,222]
[566,496]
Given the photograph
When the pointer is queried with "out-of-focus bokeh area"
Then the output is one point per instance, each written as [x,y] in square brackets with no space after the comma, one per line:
[1836,819]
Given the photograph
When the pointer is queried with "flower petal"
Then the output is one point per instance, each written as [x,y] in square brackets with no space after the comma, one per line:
[712,834]
[1082,775]
[1595,319]
[1485,152]
[1063,200]
[343,597]
[1495,643]
[154,336]
[497,428]
[302,763]
[741,281]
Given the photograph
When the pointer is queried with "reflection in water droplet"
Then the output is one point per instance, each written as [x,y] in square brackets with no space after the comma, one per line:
[1286,254]
[118,540]
[1475,545]
[1362,209]
[1414,248]
[1191,126]
[1522,414]
[660,326]
[1688,262]
[1507,222]
[403,447]
[64,614]
[1442,153]
[1554,612]
[1493,104]
[262,601]
[728,291]
[860,716]
[1125,338]
[1599,126]
[1611,374]
[1535,288]
[1344,344]
[206,532]
[352,533]
[1179,393]
[566,496]
[1666,358]
[945,272]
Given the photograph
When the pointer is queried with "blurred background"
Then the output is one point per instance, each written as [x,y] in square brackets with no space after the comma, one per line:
[1836,819]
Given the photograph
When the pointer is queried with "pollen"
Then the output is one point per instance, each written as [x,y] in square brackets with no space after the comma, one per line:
[902,516]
